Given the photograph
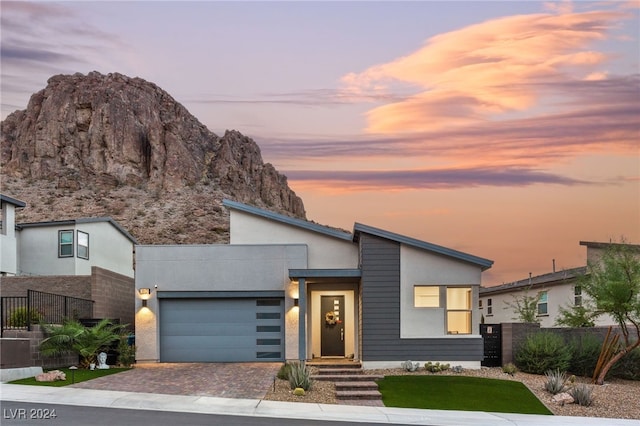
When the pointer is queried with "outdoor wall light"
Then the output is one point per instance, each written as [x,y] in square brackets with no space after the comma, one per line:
[296,302]
[144,303]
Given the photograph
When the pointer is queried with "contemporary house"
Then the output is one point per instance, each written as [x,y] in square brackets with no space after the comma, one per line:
[86,258]
[556,289]
[289,289]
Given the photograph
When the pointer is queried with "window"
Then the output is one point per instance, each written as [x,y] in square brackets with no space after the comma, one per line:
[426,296]
[83,245]
[577,295]
[65,243]
[459,310]
[542,303]
[489,307]
[480,303]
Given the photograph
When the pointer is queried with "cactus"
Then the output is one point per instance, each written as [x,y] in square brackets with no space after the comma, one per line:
[410,366]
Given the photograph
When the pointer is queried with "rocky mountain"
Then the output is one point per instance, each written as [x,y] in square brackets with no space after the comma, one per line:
[111,145]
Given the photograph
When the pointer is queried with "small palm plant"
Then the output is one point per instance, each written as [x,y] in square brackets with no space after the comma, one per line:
[87,342]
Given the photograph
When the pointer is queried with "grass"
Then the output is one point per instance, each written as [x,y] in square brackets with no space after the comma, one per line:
[80,375]
[459,393]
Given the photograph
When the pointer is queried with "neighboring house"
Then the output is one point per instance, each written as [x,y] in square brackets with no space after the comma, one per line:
[88,258]
[556,289]
[73,247]
[286,289]
[8,241]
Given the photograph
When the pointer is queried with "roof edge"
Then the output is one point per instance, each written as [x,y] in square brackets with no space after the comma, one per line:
[480,261]
[80,221]
[11,200]
[300,223]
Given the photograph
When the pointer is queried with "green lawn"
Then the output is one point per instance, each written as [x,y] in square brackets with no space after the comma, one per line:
[80,375]
[459,393]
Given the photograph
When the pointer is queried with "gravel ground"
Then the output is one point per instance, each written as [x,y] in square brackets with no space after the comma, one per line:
[615,399]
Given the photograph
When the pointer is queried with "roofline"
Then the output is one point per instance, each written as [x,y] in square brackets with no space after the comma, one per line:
[77,222]
[300,223]
[14,201]
[482,262]
[550,279]
[605,245]
[325,273]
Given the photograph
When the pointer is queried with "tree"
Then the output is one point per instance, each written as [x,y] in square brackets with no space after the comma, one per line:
[87,342]
[576,316]
[525,307]
[613,283]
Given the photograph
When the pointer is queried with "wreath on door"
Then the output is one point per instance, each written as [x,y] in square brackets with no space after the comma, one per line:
[330,318]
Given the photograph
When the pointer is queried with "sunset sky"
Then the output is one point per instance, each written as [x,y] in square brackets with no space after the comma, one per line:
[508,130]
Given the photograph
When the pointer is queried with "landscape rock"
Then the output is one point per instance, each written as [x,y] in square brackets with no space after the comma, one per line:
[51,376]
[562,398]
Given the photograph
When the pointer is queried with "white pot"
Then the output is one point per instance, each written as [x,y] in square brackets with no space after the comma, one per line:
[92,366]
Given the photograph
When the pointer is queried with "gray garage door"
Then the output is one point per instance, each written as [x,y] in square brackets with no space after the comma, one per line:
[221,330]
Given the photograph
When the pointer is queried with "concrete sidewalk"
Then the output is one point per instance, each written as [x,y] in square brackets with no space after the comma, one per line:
[257,407]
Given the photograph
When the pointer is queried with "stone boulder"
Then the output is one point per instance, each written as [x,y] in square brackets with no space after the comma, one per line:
[51,376]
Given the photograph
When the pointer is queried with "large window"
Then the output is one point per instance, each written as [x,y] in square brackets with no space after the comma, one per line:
[426,296]
[459,310]
[542,304]
[65,243]
[83,245]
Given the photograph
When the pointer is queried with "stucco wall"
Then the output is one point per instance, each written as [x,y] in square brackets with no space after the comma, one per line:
[108,249]
[8,242]
[213,268]
[419,267]
[324,251]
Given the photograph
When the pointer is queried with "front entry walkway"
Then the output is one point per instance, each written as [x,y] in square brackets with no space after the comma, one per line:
[228,380]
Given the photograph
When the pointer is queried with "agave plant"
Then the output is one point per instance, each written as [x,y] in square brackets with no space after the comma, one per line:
[87,342]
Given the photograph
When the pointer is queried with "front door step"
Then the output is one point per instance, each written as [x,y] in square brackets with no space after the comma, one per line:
[351,383]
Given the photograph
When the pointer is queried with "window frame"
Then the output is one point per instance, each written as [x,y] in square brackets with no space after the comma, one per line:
[543,295]
[468,310]
[78,245]
[61,244]
[437,297]
[577,295]
[489,307]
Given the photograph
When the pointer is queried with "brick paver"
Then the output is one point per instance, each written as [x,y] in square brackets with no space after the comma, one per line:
[228,380]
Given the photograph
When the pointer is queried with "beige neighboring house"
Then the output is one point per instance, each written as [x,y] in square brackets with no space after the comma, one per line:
[556,289]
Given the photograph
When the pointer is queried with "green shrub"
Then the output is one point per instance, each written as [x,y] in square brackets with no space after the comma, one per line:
[18,317]
[541,352]
[299,376]
[283,373]
[556,381]
[509,368]
[582,394]
[628,367]
[437,367]
[584,355]
[126,353]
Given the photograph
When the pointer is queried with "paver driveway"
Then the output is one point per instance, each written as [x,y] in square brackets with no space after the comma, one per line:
[228,380]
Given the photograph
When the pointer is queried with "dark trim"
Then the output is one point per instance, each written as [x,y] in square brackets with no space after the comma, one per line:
[14,201]
[481,262]
[324,273]
[219,294]
[300,223]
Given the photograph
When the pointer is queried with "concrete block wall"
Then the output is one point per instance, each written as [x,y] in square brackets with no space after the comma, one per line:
[66,285]
[31,351]
[114,296]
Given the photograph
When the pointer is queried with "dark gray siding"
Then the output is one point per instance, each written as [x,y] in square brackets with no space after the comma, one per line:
[381,341]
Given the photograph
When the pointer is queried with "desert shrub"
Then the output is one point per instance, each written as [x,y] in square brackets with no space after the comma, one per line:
[436,368]
[18,317]
[283,372]
[584,355]
[541,352]
[556,381]
[628,367]
[582,394]
[126,352]
[410,366]
[509,368]
[299,376]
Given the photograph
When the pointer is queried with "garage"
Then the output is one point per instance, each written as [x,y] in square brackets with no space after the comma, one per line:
[221,329]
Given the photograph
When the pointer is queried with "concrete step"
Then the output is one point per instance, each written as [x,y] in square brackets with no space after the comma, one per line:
[346,377]
[356,386]
[338,371]
[359,395]
[328,366]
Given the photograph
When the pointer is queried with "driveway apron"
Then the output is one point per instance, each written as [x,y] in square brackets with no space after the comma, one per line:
[229,380]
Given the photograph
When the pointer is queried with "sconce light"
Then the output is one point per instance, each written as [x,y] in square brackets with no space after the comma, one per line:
[144,293]
[296,302]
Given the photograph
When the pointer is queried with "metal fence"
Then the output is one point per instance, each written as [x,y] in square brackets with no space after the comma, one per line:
[21,312]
